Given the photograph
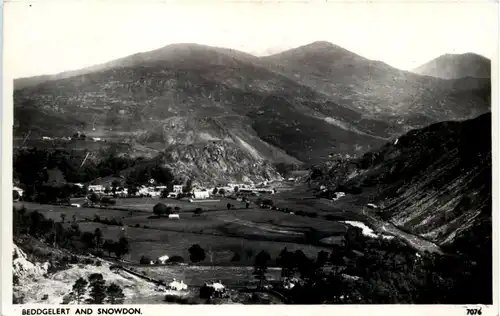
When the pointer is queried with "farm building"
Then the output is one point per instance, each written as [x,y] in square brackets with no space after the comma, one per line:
[177,286]
[19,190]
[97,188]
[173,195]
[200,195]
[163,259]
[177,188]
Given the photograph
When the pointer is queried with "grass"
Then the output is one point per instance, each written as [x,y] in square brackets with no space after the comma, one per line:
[219,231]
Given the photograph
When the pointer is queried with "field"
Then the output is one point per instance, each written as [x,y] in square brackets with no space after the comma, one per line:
[223,233]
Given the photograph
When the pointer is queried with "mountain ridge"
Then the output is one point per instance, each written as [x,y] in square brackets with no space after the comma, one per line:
[456,66]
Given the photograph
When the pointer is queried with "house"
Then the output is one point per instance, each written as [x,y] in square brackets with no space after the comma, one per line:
[177,188]
[96,188]
[371,205]
[19,190]
[174,216]
[172,195]
[163,259]
[96,139]
[177,286]
[201,195]
[75,205]
[46,138]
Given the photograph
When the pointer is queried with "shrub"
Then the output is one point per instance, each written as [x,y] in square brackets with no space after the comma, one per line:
[198,211]
[137,225]
[175,299]
[176,259]
[236,257]
[144,260]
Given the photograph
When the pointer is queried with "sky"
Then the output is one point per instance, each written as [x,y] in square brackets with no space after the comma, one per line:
[47,37]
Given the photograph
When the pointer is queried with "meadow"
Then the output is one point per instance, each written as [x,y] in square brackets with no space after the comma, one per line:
[229,237]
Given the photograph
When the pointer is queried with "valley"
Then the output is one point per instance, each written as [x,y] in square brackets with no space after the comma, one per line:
[312,176]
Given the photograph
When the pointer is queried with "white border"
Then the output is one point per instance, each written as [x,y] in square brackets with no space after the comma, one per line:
[220,310]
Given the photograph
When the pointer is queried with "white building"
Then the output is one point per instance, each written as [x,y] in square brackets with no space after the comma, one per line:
[19,190]
[201,195]
[177,188]
[97,188]
[163,259]
[177,286]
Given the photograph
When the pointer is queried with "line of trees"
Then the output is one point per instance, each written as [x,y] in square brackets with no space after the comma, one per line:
[37,225]
[98,292]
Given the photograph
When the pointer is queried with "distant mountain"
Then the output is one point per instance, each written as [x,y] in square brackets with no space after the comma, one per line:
[435,181]
[295,107]
[378,90]
[454,66]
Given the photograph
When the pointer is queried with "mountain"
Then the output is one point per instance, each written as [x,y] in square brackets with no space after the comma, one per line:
[378,90]
[454,66]
[434,181]
[295,107]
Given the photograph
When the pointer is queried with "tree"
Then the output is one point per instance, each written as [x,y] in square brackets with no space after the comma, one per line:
[79,288]
[247,204]
[16,195]
[260,266]
[106,201]
[63,217]
[98,237]
[132,190]
[88,239]
[215,191]
[97,289]
[285,260]
[145,260]
[188,187]
[109,246]
[198,211]
[196,253]
[114,185]
[236,189]
[177,209]
[321,259]
[94,198]
[160,209]
[222,191]
[228,206]
[122,247]
[115,294]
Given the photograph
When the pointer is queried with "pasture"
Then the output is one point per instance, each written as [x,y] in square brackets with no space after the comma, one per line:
[229,237]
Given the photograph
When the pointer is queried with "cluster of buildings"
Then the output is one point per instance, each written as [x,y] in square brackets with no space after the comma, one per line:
[197,192]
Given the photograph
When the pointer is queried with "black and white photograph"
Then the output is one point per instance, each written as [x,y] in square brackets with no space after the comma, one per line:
[196,153]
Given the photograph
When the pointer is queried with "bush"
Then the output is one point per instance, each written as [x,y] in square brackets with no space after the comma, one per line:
[73,259]
[198,211]
[176,259]
[137,225]
[144,260]
[175,299]
[236,257]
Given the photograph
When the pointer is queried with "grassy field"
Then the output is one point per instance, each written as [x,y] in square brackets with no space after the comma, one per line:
[219,231]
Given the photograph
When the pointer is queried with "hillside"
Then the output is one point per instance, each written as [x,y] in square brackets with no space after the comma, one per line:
[454,66]
[377,89]
[297,110]
[434,181]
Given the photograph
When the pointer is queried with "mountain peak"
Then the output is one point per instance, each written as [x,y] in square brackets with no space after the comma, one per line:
[455,66]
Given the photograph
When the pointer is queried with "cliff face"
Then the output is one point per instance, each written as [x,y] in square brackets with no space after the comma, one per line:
[218,161]
[434,181]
